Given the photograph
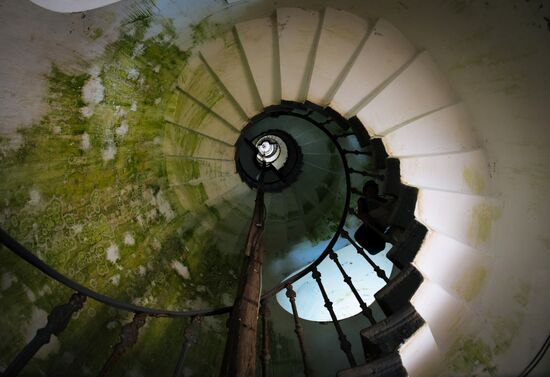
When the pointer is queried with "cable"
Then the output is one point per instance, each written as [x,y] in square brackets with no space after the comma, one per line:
[538,357]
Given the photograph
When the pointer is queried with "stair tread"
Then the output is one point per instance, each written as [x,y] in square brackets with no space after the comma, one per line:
[398,292]
[399,101]
[382,55]
[197,81]
[182,142]
[340,36]
[386,336]
[387,366]
[464,172]
[258,38]
[297,31]
[444,131]
[224,57]
[404,252]
[462,218]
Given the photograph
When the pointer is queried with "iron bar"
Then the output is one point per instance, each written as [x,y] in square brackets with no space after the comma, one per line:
[190,335]
[128,338]
[345,345]
[25,254]
[265,357]
[298,329]
[379,272]
[58,320]
[367,312]
[333,138]
[366,173]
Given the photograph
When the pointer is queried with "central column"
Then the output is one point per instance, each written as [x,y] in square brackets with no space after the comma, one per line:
[240,350]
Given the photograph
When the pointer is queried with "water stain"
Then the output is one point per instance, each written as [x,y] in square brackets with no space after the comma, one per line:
[473,180]
[471,283]
[481,225]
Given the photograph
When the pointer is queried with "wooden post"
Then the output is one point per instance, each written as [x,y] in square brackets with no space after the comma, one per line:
[265,357]
[240,349]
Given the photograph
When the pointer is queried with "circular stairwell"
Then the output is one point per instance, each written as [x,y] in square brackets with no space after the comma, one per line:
[369,72]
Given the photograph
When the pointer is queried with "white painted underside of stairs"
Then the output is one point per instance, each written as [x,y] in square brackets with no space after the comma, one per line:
[341,34]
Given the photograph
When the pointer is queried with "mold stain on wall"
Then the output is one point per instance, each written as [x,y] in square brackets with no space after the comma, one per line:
[88,192]
[483,216]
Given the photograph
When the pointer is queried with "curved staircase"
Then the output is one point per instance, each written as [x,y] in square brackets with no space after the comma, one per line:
[392,93]
[382,97]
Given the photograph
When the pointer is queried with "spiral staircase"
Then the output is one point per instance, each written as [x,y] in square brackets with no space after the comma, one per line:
[361,102]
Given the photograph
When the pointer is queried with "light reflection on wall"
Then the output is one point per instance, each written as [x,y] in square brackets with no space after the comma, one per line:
[309,300]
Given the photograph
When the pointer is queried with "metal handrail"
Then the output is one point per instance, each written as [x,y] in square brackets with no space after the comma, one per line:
[282,285]
[38,263]
[32,259]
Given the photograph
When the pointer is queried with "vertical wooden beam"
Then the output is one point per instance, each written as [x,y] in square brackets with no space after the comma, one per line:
[265,357]
[240,349]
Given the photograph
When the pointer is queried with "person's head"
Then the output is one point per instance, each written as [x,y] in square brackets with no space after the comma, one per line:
[370,189]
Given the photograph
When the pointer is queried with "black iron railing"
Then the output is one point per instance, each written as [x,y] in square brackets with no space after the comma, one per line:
[60,316]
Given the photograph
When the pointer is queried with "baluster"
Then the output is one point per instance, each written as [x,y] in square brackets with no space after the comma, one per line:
[190,334]
[128,338]
[345,345]
[239,358]
[265,356]
[379,272]
[366,173]
[58,320]
[298,328]
[367,312]
[347,151]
